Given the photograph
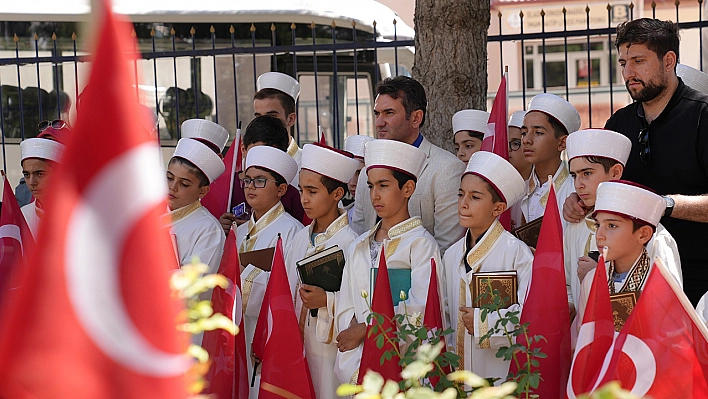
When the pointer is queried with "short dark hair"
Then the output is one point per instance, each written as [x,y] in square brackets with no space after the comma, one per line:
[269,130]
[496,197]
[559,129]
[201,177]
[606,163]
[475,135]
[410,91]
[287,102]
[275,175]
[331,184]
[659,36]
[401,178]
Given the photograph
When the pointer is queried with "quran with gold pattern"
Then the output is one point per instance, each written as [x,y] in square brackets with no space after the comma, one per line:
[529,232]
[622,306]
[504,282]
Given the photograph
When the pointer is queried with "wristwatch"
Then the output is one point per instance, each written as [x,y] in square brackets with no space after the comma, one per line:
[669,206]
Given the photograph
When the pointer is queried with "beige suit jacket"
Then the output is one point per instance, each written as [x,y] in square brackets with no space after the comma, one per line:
[434,199]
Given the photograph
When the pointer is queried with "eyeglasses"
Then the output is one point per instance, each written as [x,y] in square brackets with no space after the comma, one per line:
[258,182]
[645,152]
[56,124]
[514,144]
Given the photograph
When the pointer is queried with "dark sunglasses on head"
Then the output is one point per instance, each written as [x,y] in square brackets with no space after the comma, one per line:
[56,124]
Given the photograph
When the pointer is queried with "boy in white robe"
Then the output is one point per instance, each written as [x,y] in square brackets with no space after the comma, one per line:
[468,129]
[547,123]
[323,182]
[596,156]
[626,217]
[268,172]
[490,184]
[392,169]
[39,159]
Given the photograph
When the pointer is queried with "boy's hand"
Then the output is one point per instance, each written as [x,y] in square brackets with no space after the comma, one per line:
[313,297]
[468,319]
[352,337]
[227,220]
[572,311]
[585,264]
[574,208]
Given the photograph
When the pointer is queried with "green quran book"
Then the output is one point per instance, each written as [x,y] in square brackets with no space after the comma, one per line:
[400,280]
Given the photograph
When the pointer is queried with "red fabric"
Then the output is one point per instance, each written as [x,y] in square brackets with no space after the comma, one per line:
[495,138]
[15,239]
[432,320]
[228,376]
[662,350]
[284,369]
[323,140]
[381,303]
[546,306]
[94,316]
[595,338]
[217,199]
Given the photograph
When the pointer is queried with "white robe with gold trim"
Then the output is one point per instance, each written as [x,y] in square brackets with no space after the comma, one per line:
[409,246]
[498,250]
[318,332]
[197,234]
[29,211]
[533,203]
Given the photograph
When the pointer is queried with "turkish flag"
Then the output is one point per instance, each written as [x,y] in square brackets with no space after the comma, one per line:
[322,139]
[432,320]
[595,338]
[217,200]
[546,307]
[662,350]
[15,241]
[94,316]
[381,303]
[228,376]
[284,369]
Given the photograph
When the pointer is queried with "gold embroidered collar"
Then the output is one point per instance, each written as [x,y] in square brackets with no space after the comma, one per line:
[181,213]
[255,227]
[635,277]
[394,233]
[561,176]
[481,249]
[292,147]
[339,223]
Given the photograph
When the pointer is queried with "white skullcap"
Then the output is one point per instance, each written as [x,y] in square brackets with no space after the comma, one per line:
[394,155]
[499,173]
[273,159]
[473,120]
[201,156]
[41,148]
[556,107]
[329,162]
[356,145]
[205,130]
[279,81]
[598,143]
[517,119]
[693,78]
[630,200]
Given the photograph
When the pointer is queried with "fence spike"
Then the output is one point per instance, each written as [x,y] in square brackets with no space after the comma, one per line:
[211,29]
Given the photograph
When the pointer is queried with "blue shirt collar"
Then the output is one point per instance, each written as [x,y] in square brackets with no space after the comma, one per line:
[418,141]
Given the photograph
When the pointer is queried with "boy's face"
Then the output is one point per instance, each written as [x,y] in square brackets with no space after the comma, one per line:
[273,107]
[516,157]
[36,173]
[466,145]
[262,199]
[616,232]
[538,139]
[315,199]
[387,199]
[183,186]
[587,176]
[475,205]
[355,180]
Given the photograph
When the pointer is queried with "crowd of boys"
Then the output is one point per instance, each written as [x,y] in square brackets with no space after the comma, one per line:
[414,201]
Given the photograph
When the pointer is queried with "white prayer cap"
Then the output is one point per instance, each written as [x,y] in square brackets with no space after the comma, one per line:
[693,78]
[202,129]
[598,143]
[556,107]
[201,156]
[630,200]
[356,145]
[473,120]
[394,155]
[329,162]
[279,81]
[273,159]
[499,173]
[517,119]
[41,148]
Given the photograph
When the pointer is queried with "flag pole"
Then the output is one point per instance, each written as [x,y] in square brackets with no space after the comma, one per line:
[233,167]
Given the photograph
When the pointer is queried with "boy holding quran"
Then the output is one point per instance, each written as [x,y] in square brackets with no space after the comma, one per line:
[392,169]
[317,255]
[486,254]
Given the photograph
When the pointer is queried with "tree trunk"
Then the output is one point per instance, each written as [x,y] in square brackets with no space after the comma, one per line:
[450,61]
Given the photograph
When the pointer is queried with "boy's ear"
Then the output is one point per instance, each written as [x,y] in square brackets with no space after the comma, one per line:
[644,234]
[616,171]
[499,208]
[338,193]
[203,191]
[282,189]
[561,143]
[408,188]
[290,122]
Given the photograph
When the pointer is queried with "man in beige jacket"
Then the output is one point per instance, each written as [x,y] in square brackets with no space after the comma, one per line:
[400,112]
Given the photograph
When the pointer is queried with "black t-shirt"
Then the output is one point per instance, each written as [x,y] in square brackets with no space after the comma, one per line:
[678,141]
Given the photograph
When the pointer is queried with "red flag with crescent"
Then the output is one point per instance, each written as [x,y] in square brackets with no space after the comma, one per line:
[217,200]
[228,376]
[94,316]
[15,241]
